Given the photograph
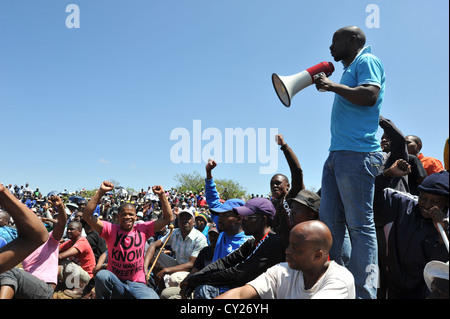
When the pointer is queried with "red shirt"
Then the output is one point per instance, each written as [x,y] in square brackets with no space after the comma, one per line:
[432,165]
[85,258]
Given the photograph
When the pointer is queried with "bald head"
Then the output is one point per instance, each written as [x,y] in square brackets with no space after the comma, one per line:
[313,232]
[355,33]
[309,244]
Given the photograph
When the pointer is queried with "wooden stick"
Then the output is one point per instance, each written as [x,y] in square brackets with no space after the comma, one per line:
[160,250]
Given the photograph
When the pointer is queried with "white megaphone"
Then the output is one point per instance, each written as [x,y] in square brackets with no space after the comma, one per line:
[287,86]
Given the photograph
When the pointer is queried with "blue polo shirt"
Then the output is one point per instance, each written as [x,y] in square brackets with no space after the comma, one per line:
[353,127]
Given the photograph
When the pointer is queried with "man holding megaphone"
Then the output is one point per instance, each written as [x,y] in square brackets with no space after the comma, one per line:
[354,159]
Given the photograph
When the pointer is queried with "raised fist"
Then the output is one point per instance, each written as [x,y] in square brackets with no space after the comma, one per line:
[158,189]
[210,165]
[279,139]
[55,200]
[107,186]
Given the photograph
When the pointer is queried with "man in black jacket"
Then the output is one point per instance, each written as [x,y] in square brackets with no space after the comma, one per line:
[393,144]
[411,231]
[282,190]
[247,262]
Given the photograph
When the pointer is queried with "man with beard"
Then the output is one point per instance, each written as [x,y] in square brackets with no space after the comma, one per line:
[348,177]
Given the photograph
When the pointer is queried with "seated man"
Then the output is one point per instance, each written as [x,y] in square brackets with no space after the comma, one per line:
[410,230]
[305,206]
[6,232]
[201,224]
[228,222]
[251,259]
[203,259]
[231,235]
[186,242]
[125,274]
[307,272]
[76,257]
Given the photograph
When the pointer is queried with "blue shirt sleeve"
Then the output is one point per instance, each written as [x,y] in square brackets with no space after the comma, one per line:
[211,194]
[369,71]
[212,198]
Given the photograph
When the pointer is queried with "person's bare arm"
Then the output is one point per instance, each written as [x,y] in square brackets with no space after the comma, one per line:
[399,168]
[165,206]
[58,204]
[72,251]
[95,223]
[150,253]
[363,95]
[297,183]
[100,263]
[181,267]
[244,292]
[31,232]
[209,167]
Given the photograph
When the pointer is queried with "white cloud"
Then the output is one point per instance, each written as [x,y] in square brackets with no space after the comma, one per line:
[103,161]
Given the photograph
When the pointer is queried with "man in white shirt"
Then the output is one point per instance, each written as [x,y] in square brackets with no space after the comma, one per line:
[306,274]
[186,242]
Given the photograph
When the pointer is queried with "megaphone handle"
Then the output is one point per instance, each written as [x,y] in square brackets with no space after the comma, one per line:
[316,76]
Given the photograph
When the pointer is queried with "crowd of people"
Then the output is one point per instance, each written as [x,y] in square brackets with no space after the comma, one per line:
[377,228]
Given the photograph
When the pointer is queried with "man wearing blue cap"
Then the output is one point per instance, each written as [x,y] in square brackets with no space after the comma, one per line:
[410,226]
[246,263]
[229,223]
[231,235]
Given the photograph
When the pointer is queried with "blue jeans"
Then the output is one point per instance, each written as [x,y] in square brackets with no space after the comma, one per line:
[206,292]
[346,207]
[108,286]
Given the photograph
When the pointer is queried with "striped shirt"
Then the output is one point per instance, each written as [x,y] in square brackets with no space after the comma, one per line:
[188,247]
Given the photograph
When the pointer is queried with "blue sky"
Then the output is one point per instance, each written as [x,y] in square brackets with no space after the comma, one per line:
[83,105]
